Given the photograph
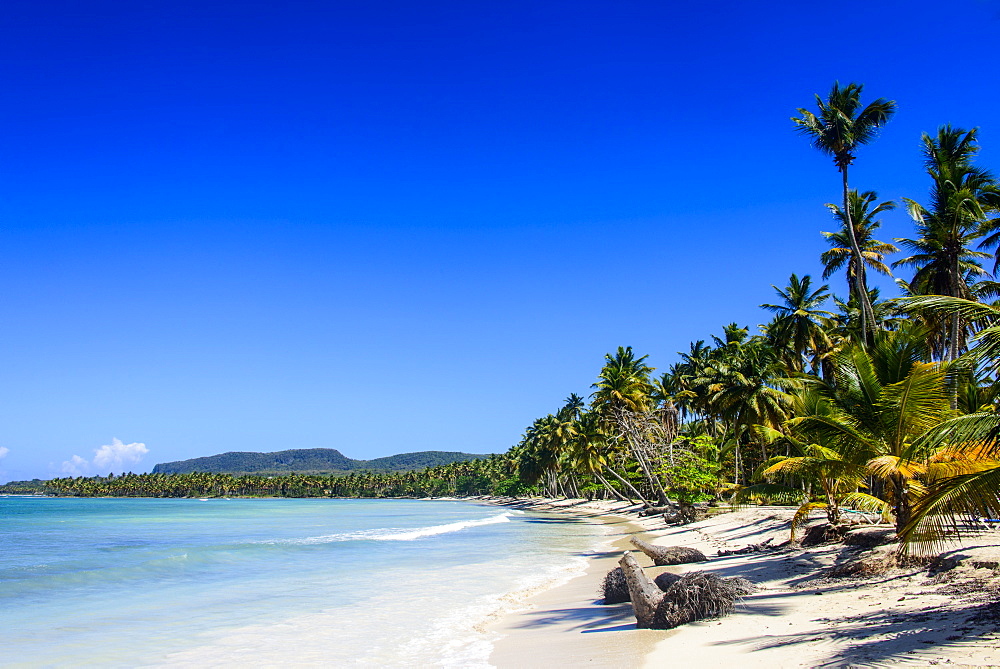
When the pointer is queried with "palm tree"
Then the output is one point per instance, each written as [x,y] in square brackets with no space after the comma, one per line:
[623,398]
[873,252]
[623,384]
[839,475]
[744,386]
[797,327]
[838,130]
[884,399]
[943,257]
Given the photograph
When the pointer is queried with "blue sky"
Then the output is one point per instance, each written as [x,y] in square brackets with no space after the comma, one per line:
[397,226]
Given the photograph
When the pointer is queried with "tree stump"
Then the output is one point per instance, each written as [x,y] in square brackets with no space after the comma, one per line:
[691,597]
[663,556]
[645,596]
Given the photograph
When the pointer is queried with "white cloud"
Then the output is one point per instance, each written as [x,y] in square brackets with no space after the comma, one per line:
[76,466]
[4,451]
[115,457]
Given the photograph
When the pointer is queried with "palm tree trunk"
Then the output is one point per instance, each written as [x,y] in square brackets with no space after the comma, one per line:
[955,345]
[860,289]
[903,510]
[626,484]
[611,489]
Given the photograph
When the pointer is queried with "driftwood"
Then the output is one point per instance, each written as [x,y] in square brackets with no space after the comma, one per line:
[751,548]
[681,513]
[668,555]
[691,597]
[614,589]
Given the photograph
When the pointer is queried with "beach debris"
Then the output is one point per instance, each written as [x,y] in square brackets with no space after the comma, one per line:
[750,548]
[614,589]
[669,555]
[870,537]
[693,596]
[680,514]
[824,533]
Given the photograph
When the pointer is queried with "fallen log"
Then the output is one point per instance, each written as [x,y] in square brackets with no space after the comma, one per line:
[693,596]
[668,555]
[657,510]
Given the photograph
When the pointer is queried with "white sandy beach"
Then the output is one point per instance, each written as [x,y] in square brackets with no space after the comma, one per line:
[799,616]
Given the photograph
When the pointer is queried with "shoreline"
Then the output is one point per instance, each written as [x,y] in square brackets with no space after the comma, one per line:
[799,616]
[566,625]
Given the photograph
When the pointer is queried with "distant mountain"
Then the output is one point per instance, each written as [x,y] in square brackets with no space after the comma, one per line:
[308,460]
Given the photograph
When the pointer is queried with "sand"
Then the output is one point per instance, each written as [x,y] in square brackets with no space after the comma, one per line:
[799,616]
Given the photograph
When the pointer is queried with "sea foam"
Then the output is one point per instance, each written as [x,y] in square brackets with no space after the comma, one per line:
[393,534]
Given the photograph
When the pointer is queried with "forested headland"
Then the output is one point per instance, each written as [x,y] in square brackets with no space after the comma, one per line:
[845,399]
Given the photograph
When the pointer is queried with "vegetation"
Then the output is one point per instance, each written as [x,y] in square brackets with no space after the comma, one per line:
[493,475]
[857,402]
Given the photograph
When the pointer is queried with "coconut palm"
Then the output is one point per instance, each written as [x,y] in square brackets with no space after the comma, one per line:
[943,256]
[623,384]
[814,459]
[883,400]
[840,127]
[863,217]
[965,479]
[797,329]
[744,386]
[623,398]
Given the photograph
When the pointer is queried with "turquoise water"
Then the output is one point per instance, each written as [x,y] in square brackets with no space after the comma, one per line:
[268,582]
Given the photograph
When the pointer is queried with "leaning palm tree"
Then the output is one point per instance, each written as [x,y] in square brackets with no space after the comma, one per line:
[840,127]
[623,398]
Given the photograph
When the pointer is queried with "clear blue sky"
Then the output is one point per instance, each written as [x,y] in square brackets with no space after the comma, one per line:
[399,226]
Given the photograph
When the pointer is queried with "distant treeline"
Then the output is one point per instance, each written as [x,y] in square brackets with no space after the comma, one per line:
[492,475]
[32,487]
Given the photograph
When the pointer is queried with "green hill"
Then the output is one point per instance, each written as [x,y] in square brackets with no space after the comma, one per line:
[308,461]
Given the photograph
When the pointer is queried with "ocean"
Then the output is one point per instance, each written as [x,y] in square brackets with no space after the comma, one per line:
[270,582]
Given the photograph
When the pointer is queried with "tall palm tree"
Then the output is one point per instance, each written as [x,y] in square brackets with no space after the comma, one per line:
[957,216]
[873,252]
[840,127]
